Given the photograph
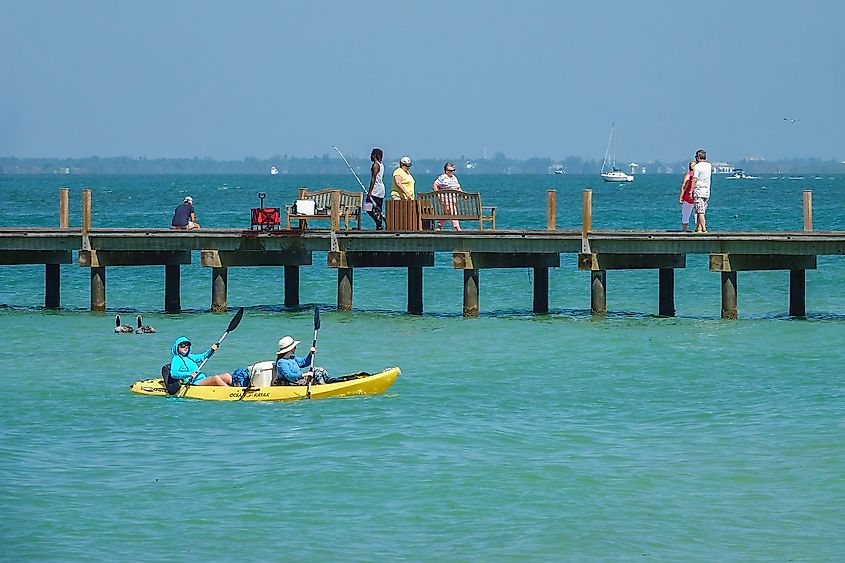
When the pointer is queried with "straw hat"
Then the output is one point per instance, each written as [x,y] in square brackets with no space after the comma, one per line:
[286,344]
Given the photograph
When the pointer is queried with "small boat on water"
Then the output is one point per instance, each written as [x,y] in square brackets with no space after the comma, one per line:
[274,171]
[348,385]
[613,174]
[739,174]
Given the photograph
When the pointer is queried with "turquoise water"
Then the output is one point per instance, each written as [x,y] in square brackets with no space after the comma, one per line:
[511,436]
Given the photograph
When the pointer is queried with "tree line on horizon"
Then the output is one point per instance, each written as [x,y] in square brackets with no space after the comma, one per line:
[326,164]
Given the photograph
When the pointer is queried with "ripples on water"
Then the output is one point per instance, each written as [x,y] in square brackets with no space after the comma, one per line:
[511,436]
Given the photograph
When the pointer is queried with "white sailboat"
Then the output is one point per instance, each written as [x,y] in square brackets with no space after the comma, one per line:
[613,174]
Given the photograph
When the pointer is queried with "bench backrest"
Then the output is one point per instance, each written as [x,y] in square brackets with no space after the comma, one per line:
[453,203]
[353,201]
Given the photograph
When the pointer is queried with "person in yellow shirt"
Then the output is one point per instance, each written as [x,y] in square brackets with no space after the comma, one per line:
[403,182]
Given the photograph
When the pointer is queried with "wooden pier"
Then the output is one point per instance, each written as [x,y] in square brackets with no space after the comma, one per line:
[471,251]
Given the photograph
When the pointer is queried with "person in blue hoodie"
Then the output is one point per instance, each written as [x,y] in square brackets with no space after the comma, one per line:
[184,365]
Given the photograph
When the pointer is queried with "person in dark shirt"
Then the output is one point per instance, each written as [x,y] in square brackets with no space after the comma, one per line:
[184,216]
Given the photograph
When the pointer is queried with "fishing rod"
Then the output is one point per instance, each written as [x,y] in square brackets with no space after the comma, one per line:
[376,210]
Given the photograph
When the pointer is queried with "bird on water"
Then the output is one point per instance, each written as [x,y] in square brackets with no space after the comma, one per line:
[144,329]
[122,329]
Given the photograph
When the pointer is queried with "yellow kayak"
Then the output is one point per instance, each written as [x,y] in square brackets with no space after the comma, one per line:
[363,384]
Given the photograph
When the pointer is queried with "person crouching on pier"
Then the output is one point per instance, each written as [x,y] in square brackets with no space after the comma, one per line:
[184,216]
[184,366]
[289,367]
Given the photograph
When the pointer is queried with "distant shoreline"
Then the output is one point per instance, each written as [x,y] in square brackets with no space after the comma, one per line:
[328,165]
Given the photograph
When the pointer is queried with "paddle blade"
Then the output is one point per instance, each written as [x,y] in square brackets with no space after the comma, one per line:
[236,320]
[316,318]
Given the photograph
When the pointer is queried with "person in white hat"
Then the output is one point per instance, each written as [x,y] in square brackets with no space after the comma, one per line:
[184,217]
[289,367]
[403,182]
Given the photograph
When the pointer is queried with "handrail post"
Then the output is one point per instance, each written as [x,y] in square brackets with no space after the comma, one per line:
[63,208]
[86,219]
[551,210]
[808,210]
[586,219]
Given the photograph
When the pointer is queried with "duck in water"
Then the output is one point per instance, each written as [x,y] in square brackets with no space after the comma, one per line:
[122,329]
[144,329]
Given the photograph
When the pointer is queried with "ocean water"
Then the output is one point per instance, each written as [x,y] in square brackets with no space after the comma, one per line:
[512,436]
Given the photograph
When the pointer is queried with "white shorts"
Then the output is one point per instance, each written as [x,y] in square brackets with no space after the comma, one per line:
[686,211]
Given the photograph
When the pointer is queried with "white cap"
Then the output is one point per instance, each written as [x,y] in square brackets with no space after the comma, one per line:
[406,160]
[189,199]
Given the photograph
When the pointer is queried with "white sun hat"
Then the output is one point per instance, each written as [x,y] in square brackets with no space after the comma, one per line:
[286,344]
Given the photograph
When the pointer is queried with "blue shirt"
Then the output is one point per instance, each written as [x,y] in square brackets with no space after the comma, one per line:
[182,215]
[290,370]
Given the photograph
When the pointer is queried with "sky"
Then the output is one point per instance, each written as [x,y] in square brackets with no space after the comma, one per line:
[431,79]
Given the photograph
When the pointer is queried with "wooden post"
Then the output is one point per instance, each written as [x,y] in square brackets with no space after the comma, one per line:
[729,300]
[808,210]
[63,208]
[415,290]
[471,293]
[172,288]
[541,289]
[666,292]
[98,288]
[86,212]
[52,286]
[551,210]
[219,289]
[586,219]
[797,293]
[291,286]
[344,289]
[335,211]
[598,292]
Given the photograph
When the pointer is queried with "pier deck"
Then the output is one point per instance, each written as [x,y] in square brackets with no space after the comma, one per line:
[471,251]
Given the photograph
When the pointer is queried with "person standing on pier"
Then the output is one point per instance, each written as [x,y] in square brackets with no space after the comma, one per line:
[685,199]
[701,189]
[375,195]
[448,181]
[403,182]
[184,216]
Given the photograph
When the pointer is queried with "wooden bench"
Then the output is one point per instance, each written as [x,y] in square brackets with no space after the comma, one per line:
[329,204]
[456,205]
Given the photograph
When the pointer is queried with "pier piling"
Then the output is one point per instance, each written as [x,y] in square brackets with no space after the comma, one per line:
[797,293]
[808,210]
[291,286]
[344,289]
[729,300]
[666,292]
[470,292]
[415,290]
[598,292]
[219,290]
[541,290]
[52,286]
[172,289]
[98,288]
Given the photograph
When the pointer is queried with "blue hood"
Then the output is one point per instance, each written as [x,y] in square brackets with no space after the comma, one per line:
[175,349]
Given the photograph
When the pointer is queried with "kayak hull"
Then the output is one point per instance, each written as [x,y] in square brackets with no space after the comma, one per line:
[366,385]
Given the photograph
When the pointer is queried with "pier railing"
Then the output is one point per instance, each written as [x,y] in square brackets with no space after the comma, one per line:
[599,251]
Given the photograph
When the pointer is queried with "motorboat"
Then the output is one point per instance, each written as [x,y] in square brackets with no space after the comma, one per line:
[739,174]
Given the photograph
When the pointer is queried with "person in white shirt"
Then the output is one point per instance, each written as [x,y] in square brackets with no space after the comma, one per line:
[375,195]
[448,181]
[701,189]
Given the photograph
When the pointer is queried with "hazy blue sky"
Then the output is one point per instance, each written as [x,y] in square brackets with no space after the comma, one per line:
[430,79]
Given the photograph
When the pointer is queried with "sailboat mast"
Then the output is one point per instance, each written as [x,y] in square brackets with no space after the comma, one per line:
[607,150]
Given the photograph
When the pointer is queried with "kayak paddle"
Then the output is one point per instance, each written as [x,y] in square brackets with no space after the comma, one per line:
[314,345]
[233,324]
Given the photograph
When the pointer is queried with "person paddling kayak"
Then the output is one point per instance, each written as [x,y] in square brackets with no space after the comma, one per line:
[289,366]
[184,365]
